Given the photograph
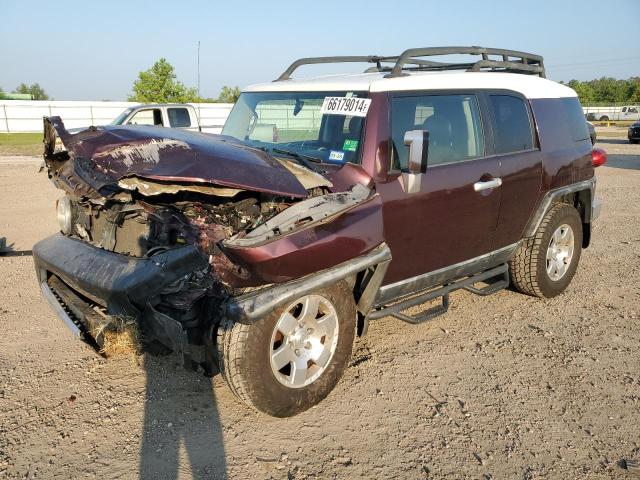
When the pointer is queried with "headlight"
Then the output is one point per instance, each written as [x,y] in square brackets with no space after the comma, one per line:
[64,215]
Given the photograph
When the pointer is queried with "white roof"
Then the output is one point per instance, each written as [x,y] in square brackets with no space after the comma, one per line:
[530,86]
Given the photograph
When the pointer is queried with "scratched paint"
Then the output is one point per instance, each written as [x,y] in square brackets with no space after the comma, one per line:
[147,152]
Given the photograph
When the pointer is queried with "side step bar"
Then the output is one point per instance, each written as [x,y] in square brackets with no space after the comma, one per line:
[500,273]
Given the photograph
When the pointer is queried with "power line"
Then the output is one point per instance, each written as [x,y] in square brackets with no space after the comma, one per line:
[594,62]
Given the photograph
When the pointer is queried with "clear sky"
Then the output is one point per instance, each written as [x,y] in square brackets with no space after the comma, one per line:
[93,50]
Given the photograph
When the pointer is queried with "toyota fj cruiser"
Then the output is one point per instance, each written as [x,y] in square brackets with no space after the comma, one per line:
[326,203]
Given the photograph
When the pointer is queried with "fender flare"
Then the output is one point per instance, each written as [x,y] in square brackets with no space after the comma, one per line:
[252,306]
[585,191]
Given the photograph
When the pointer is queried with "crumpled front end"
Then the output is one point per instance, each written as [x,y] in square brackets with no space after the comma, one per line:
[171,227]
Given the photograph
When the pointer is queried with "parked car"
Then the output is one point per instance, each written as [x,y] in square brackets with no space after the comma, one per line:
[173,115]
[605,114]
[633,134]
[592,133]
[327,203]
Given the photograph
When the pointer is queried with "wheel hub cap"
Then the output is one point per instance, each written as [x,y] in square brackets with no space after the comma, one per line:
[304,341]
[560,252]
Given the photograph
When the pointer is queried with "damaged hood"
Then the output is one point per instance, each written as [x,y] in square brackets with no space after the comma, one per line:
[108,155]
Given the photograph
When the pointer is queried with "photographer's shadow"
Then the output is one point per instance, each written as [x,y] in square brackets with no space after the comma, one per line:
[182,436]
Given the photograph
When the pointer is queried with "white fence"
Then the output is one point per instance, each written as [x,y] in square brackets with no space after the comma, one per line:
[26,115]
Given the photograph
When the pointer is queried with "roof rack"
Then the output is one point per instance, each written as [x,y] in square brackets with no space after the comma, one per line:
[511,61]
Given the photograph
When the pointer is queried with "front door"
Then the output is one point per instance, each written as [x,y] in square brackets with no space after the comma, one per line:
[454,216]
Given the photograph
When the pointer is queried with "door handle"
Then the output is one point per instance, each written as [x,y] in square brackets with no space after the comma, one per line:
[489,184]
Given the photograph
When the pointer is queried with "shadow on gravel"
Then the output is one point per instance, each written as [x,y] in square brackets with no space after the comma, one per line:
[180,414]
[629,162]
[9,251]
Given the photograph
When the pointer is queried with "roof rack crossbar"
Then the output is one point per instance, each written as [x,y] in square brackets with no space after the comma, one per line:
[512,61]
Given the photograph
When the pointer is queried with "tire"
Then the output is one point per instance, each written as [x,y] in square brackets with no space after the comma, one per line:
[245,353]
[604,118]
[633,141]
[529,266]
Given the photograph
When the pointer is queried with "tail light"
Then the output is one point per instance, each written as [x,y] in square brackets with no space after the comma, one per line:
[598,157]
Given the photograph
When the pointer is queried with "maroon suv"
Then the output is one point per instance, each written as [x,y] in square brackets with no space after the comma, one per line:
[325,203]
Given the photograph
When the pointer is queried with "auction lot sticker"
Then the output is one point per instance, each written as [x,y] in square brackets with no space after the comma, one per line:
[357,107]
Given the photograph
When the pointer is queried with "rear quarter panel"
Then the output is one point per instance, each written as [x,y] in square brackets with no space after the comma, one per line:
[565,160]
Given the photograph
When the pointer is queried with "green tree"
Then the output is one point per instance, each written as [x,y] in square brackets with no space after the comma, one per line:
[634,90]
[159,85]
[35,90]
[609,90]
[584,90]
[1,93]
[229,95]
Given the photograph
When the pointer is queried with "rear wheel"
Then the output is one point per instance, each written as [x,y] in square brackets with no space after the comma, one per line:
[290,360]
[545,264]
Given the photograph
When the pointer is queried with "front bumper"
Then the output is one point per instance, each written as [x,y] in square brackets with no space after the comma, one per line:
[75,277]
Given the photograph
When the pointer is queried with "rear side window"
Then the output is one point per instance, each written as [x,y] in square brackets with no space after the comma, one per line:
[513,125]
[179,117]
[575,119]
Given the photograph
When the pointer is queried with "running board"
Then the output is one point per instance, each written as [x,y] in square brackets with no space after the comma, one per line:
[500,273]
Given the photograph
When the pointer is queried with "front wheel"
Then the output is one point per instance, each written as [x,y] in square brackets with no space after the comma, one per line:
[291,359]
[544,264]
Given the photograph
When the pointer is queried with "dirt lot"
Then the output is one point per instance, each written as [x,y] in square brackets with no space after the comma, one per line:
[501,387]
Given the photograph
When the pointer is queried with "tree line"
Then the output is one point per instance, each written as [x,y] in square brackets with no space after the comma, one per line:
[159,84]
[607,90]
[35,90]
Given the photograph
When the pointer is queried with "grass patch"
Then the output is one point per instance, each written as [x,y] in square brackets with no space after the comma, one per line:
[21,143]
[122,337]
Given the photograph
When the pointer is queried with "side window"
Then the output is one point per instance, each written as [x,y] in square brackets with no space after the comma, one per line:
[632,110]
[575,119]
[513,125]
[179,117]
[151,116]
[453,123]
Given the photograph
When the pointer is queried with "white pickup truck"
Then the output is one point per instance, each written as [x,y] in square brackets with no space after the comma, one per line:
[604,114]
[172,115]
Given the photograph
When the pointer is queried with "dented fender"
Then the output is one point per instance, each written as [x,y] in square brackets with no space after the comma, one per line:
[346,235]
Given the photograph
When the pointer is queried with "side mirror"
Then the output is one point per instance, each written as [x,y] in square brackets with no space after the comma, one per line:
[418,143]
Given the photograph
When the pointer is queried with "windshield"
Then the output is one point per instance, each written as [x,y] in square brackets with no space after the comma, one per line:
[302,123]
[120,118]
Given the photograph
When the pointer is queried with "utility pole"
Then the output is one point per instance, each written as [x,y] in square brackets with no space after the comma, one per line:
[198,68]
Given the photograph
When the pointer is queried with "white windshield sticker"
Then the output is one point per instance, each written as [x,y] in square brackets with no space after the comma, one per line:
[357,107]
[336,155]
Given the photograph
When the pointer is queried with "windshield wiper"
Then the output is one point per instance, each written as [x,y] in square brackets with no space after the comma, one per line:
[301,158]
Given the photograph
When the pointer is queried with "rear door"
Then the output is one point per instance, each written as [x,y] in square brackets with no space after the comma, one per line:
[454,216]
[515,146]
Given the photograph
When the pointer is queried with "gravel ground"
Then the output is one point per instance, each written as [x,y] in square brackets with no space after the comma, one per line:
[501,387]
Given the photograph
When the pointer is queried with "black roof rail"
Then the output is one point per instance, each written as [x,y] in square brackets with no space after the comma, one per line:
[286,75]
[511,61]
